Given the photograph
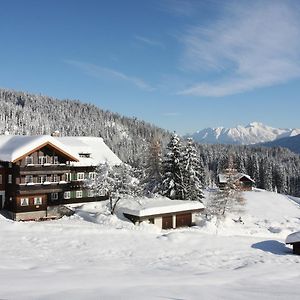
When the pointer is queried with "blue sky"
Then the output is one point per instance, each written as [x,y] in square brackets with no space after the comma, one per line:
[182,65]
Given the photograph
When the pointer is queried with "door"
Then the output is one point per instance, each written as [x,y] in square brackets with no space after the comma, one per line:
[2,199]
[167,222]
[184,220]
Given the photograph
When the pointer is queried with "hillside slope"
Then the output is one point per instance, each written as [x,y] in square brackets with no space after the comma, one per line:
[292,143]
[23,113]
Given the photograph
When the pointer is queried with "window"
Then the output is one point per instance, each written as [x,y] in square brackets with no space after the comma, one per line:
[38,200]
[55,178]
[78,194]
[42,160]
[0,178]
[67,195]
[92,175]
[80,176]
[29,160]
[10,165]
[24,201]
[68,177]
[55,160]
[90,193]
[28,178]
[54,196]
[42,178]
[86,155]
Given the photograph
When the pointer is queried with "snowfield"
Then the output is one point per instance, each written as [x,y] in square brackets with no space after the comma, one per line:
[93,255]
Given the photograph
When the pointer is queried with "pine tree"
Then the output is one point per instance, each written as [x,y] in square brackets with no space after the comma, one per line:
[193,173]
[172,183]
[153,169]
[266,176]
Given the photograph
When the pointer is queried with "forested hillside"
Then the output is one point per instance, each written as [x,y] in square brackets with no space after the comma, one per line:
[22,113]
[273,169]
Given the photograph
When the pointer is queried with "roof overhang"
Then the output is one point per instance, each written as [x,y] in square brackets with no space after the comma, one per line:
[51,145]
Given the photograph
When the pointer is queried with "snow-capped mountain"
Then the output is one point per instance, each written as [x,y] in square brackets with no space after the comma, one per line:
[253,133]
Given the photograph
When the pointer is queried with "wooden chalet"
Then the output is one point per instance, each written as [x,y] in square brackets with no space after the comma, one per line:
[240,181]
[294,240]
[38,173]
[164,213]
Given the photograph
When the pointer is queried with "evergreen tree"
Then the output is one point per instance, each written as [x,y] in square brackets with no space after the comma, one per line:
[153,169]
[172,183]
[193,172]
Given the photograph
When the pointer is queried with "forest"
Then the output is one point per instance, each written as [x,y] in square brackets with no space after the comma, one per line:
[276,169]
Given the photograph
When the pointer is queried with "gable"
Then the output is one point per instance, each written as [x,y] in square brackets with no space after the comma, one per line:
[49,145]
[14,148]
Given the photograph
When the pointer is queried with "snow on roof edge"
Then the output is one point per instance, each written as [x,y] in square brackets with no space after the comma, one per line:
[177,206]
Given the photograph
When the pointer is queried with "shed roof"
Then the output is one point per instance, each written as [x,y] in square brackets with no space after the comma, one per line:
[150,207]
[293,238]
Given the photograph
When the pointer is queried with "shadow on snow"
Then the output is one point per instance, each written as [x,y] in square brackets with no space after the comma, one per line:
[272,246]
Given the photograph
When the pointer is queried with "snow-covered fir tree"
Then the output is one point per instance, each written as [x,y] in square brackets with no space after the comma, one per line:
[193,172]
[115,181]
[172,182]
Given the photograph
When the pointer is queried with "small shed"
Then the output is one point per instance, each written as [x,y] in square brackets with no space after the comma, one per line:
[294,240]
[164,213]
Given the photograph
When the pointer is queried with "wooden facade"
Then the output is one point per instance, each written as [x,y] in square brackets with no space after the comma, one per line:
[241,182]
[42,178]
[167,220]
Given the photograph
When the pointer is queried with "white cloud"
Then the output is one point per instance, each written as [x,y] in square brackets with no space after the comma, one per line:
[184,8]
[148,41]
[100,72]
[250,46]
[171,114]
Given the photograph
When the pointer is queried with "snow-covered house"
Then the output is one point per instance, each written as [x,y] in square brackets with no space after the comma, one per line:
[41,172]
[240,181]
[294,240]
[163,212]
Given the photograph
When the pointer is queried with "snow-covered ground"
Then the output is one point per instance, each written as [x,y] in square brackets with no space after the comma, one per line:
[93,255]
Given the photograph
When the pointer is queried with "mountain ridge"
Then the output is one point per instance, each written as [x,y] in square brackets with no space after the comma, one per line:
[292,143]
[253,133]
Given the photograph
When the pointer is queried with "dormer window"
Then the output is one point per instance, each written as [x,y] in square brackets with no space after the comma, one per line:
[85,155]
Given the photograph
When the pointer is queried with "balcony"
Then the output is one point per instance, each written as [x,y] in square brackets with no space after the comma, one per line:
[41,169]
[45,187]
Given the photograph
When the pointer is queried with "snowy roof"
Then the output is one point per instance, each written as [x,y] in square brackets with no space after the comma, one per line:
[13,147]
[99,152]
[293,238]
[150,207]
[223,178]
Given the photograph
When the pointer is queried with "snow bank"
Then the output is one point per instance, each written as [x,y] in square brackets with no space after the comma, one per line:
[263,213]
